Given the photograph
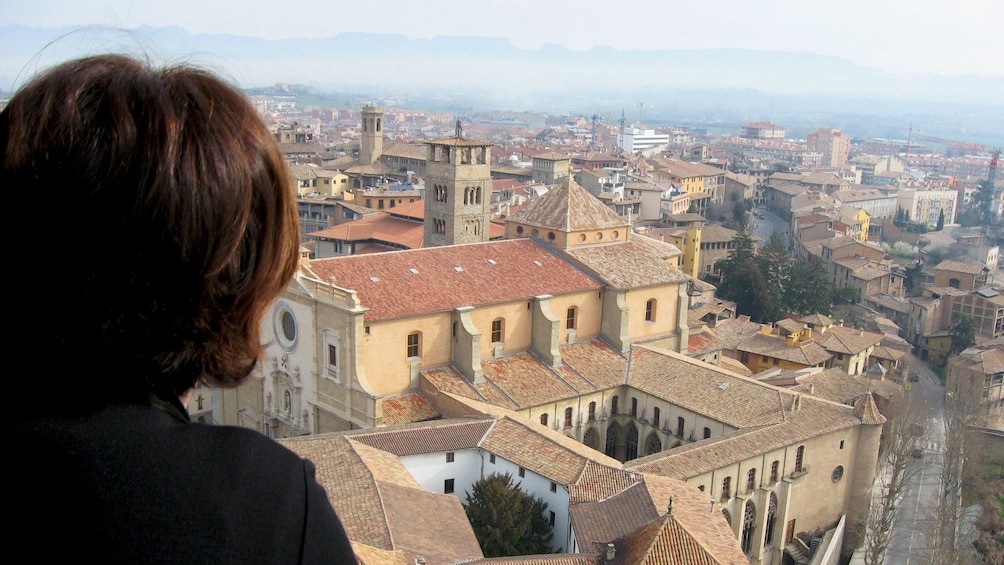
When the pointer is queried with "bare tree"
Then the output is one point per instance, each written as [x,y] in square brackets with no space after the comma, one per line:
[961,410]
[897,466]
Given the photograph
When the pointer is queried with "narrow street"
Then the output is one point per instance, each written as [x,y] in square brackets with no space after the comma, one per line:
[910,529]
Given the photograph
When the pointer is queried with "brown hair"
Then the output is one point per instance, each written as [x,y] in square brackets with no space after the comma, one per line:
[177,226]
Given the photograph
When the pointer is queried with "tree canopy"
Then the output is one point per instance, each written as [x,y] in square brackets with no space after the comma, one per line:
[506,520]
[767,283]
[963,333]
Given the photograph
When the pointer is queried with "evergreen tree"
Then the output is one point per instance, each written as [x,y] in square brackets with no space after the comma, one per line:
[809,292]
[941,221]
[963,333]
[914,276]
[506,520]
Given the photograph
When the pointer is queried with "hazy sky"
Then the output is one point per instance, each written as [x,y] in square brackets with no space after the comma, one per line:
[927,36]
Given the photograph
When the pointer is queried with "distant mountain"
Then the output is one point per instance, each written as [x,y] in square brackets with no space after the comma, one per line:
[648,85]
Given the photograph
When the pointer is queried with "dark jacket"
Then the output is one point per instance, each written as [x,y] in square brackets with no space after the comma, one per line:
[140,484]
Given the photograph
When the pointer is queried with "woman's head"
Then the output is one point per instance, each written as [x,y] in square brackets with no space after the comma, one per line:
[163,223]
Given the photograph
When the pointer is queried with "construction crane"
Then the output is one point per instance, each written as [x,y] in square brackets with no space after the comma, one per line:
[992,174]
[974,147]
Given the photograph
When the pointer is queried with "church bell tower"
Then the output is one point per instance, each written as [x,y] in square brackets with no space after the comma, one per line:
[458,191]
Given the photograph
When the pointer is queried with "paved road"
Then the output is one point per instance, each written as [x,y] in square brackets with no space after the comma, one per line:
[907,544]
[766,222]
[908,541]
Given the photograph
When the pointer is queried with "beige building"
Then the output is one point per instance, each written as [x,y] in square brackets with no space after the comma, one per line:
[978,373]
[832,143]
[576,324]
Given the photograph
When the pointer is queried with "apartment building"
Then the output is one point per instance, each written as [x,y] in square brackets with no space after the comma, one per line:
[926,206]
[832,143]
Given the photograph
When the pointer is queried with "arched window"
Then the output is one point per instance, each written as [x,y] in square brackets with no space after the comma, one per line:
[568,417]
[653,444]
[592,411]
[726,488]
[631,444]
[634,407]
[771,519]
[498,325]
[655,417]
[543,419]
[613,431]
[591,438]
[613,405]
[751,480]
[749,523]
[799,458]
[414,344]
[650,310]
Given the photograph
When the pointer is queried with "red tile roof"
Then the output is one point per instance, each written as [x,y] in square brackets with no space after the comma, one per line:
[437,279]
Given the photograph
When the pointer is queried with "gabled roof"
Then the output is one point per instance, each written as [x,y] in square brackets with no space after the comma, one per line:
[568,207]
[400,284]
[960,267]
[522,380]
[843,339]
[807,354]
[714,392]
[640,261]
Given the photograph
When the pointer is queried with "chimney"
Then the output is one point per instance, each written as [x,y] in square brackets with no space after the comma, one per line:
[611,552]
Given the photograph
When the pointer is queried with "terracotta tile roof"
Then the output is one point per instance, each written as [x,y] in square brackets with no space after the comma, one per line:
[599,482]
[836,385]
[406,408]
[602,521]
[350,485]
[716,306]
[960,267]
[640,261]
[883,352]
[842,339]
[453,434]
[596,362]
[717,234]
[817,320]
[407,150]
[712,532]
[568,207]
[814,417]
[807,354]
[636,521]
[716,393]
[550,559]
[735,331]
[400,226]
[867,411]
[438,279]
[539,451]
[445,379]
[790,326]
[368,555]
[703,342]
[730,364]
[453,537]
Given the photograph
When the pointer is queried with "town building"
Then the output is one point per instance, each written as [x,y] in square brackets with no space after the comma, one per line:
[634,140]
[574,323]
[977,373]
[834,145]
[765,131]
